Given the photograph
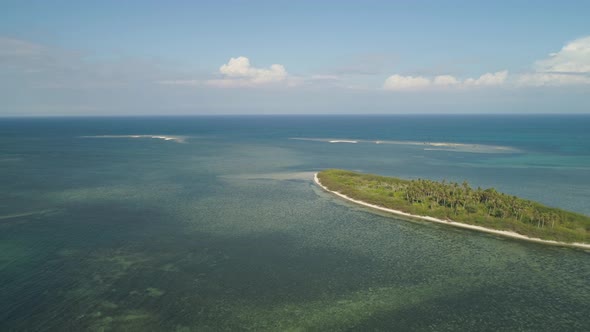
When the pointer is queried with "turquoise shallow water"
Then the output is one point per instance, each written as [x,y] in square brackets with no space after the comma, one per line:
[227,232]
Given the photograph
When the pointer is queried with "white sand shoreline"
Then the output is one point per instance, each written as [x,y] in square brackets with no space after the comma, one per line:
[453,223]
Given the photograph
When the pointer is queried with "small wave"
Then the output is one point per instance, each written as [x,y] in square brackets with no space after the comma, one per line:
[27,214]
[10,159]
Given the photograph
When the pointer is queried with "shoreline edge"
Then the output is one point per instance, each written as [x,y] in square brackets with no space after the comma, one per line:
[453,223]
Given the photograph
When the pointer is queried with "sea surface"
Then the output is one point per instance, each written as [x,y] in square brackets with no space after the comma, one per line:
[214,223]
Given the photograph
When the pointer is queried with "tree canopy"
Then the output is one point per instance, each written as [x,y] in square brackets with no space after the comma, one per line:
[462,203]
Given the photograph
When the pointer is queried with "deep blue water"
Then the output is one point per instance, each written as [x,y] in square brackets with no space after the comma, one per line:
[224,230]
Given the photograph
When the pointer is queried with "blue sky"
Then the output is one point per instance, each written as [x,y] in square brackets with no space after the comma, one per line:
[285,57]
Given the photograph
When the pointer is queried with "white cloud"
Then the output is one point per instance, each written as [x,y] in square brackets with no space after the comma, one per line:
[239,72]
[398,82]
[446,80]
[573,58]
[488,79]
[405,83]
[569,66]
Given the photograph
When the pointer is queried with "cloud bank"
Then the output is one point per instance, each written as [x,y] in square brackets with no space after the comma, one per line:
[569,66]
[405,83]
[488,79]
[398,82]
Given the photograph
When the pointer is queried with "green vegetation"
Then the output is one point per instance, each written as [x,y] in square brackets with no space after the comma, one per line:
[459,202]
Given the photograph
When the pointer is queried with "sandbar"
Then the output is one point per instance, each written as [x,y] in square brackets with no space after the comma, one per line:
[343,141]
[177,139]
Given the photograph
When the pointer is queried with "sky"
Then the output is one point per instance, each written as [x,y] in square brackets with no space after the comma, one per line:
[293,57]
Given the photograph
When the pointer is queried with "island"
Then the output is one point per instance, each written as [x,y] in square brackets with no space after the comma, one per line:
[459,205]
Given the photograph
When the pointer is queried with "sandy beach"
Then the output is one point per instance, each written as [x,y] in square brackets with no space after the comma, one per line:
[453,223]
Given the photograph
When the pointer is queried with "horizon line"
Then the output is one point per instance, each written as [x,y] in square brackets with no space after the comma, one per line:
[279,115]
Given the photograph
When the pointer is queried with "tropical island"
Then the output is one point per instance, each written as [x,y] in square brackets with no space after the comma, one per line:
[460,205]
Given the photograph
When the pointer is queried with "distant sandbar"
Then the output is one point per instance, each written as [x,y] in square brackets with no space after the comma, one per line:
[177,139]
[427,146]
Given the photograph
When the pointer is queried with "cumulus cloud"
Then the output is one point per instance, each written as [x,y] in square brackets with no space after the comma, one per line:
[405,83]
[398,82]
[446,80]
[239,72]
[573,58]
[569,66]
[488,79]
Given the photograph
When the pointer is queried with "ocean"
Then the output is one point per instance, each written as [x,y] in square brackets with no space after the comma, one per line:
[213,223]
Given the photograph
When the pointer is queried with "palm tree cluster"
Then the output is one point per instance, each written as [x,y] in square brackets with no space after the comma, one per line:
[462,199]
[461,203]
